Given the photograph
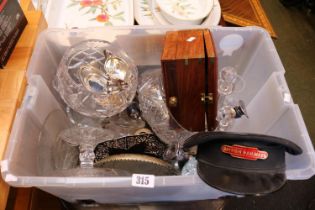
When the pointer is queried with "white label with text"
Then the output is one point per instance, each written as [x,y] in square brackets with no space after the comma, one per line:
[143,180]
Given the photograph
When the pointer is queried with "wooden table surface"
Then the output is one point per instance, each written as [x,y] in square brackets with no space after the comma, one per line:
[13,82]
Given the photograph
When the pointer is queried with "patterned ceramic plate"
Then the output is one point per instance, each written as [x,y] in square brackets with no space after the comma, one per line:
[89,13]
[144,15]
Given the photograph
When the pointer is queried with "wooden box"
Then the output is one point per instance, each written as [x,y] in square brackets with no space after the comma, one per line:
[189,67]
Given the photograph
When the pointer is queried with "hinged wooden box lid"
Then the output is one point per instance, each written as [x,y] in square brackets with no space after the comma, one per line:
[189,74]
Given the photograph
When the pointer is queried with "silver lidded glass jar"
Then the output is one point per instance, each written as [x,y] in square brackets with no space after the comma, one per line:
[96,78]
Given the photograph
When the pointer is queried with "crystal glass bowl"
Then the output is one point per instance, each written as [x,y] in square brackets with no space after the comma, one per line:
[96,78]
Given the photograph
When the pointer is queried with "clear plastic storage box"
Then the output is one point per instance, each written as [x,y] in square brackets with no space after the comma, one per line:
[266,95]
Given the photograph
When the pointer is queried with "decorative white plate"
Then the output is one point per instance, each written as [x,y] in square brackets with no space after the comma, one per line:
[183,12]
[144,15]
[89,13]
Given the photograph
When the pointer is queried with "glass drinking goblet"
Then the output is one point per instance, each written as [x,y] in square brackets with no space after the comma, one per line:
[68,150]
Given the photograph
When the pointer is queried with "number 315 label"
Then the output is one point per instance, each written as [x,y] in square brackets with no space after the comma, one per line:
[143,180]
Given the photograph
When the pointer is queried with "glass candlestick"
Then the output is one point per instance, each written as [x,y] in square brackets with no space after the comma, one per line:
[228,74]
[227,78]
[229,81]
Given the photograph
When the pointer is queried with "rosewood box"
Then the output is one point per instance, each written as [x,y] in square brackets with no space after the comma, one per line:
[189,67]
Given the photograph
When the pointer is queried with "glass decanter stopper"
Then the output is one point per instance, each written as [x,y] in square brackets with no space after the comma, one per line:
[228,113]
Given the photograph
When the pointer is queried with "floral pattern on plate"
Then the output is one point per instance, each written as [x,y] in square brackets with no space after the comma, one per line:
[183,8]
[89,13]
[145,8]
[104,11]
